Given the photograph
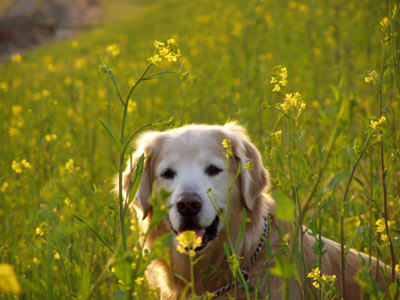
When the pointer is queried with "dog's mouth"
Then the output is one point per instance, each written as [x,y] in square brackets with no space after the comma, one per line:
[206,234]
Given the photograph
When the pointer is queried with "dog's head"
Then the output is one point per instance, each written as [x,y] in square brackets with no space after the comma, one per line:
[188,162]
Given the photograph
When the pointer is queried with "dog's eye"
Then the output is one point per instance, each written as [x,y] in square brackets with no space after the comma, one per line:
[168,174]
[212,170]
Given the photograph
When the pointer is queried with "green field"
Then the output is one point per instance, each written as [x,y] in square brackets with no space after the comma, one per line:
[340,152]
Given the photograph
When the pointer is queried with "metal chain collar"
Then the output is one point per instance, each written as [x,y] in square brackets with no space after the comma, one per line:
[245,270]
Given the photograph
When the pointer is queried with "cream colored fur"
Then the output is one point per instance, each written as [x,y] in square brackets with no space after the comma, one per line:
[188,150]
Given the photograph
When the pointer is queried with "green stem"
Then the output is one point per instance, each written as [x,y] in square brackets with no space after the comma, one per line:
[342,241]
[121,161]
[383,174]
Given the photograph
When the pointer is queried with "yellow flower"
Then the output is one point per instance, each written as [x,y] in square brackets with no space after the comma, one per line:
[227,144]
[13,131]
[74,44]
[67,80]
[57,256]
[39,231]
[46,93]
[155,59]
[16,57]
[316,284]
[113,50]
[4,187]
[139,280]
[79,63]
[373,77]
[26,164]
[4,86]
[36,260]
[276,88]
[385,22]
[397,268]
[69,166]
[248,166]
[188,240]
[168,50]
[279,78]
[16,109]
[375,124]
[8,280]
[50,137]
[16,166]
[293,101]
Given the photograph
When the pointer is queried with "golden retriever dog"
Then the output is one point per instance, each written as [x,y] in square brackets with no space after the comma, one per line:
[188,162]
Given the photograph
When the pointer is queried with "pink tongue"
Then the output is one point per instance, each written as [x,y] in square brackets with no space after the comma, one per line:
[200,232]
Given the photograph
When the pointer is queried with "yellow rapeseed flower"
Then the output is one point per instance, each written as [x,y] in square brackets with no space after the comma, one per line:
[385,22]
[79,63]
[227,145]
[4,86]
[16,57]
[8,280]
[16,166]
[376,124]
[26,164]
[168,50]
[279,78]
[139,280]
[69,166]
[155,59]
[57,256]
[46,93]
[16,109]
[113,50]
[187,240]
[4,187]
[39,231]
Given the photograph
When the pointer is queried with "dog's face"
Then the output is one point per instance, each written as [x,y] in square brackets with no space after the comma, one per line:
[189,162]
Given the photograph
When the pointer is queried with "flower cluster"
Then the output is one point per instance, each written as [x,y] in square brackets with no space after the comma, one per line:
[381,228]
[17,166]
[70,166]
[227,145]
[293,100]
[319,280]
[113,50]
[376,124]
[372,77]
[16,57]
[8,280]
[279,78]
[168,50]
[50,137]
[187,242]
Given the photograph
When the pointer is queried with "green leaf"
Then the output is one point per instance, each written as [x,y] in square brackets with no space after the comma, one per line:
[285,208]
[283,268]
[94,232]
[123,269]
[242,228]
[393,290]
[112,133]
[137,178]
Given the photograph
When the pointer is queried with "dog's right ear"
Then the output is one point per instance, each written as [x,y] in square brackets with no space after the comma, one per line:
[148,144]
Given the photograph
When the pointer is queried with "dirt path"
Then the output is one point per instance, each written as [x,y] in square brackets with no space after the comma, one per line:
[25,24]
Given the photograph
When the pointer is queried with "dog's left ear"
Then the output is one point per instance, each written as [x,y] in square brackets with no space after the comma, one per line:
[147,145]
[252,181]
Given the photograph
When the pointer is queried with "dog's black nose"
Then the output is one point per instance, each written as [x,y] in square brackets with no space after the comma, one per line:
[189,204]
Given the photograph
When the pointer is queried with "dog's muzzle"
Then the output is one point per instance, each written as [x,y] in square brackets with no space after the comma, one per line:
[188,206]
